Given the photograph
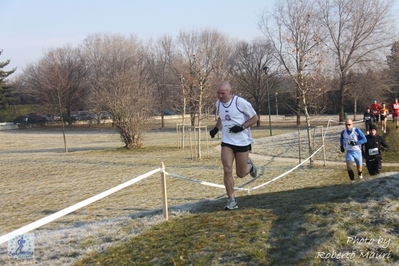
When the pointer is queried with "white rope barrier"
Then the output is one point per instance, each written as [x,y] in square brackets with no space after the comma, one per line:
[354,121]
[203,182]
[108,192]
[331,120]
[327,128]
[244,189]
[72,208]
[289,171]
[261,185]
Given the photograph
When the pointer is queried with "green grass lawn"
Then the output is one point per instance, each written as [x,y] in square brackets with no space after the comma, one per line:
[298,227]
[392,139]
[336,223]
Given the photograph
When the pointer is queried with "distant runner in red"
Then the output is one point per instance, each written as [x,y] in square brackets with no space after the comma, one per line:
[395,112]
[375,110]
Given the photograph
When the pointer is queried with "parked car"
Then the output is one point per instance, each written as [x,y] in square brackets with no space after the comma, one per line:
[36,119]
[168,112]
[74,117]
[165,112]
[84,116]
[52,117]
[32,118]
[21,119]
[105,115]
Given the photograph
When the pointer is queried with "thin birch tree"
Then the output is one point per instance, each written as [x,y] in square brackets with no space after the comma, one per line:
[293,31]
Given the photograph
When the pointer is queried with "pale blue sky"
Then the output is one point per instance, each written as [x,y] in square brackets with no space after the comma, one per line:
[28,27]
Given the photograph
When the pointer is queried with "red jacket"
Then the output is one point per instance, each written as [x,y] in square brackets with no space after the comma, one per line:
[375,109]
[395,108]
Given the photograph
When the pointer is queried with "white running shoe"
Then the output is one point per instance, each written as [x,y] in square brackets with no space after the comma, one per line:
[231,204]
[361,176]
[254,171]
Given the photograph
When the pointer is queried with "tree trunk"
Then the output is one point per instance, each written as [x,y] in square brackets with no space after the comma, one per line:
[307,117]
[298,109]
[341,102]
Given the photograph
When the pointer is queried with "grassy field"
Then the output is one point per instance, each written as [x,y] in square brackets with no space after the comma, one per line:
[311,216]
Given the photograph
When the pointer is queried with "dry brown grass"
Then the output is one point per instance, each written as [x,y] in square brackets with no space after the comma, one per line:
[38,178]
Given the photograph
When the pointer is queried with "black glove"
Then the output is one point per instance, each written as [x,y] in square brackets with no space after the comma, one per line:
[342,149]
[213,132]
[236,129]
[352,142]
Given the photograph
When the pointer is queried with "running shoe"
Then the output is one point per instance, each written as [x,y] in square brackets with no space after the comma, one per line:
[231,204]
[361,176]
[254,171]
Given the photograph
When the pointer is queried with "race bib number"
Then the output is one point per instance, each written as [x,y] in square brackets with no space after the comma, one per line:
[373,151]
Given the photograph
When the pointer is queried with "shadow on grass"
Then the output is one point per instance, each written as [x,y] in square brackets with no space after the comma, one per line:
[302,220]
[280,228]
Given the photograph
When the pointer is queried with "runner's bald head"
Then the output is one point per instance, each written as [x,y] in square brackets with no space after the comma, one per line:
[224,85]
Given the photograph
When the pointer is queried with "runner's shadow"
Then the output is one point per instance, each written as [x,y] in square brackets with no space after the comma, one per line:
[301,219]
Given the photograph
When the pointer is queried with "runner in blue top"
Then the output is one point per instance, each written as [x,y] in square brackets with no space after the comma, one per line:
[351,140]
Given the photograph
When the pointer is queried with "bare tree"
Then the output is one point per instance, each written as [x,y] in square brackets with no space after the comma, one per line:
[295,37]
[158,63]
[61,73]
[198,57]
[393,64]
[58,79]
[375,83]
[121,83]
[196,60]
[359,33]
[249,62]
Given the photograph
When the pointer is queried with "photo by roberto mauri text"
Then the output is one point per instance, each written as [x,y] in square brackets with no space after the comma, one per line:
[358,243]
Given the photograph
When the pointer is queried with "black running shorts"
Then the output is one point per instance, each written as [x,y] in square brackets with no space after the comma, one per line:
[237,148]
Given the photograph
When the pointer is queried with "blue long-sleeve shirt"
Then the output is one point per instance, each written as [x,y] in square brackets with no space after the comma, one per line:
[353,134]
